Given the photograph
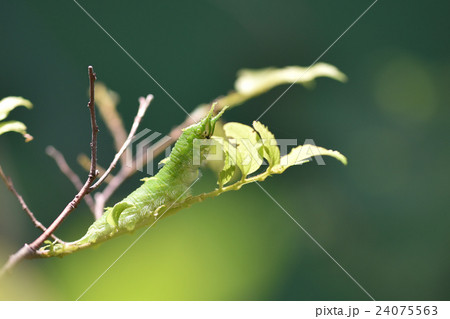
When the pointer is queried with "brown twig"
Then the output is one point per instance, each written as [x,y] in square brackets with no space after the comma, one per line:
[66,170]
[24,205]
[126,170]
[22,253]
[85,162]
[92,173]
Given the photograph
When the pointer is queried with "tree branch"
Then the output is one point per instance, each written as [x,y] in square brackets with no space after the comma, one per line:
[66,170]
[85,162]
[10,186]
[22,253]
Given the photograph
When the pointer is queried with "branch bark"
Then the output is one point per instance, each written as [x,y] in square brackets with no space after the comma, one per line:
[85,162]
[24,205]
[66,170]
[21,254]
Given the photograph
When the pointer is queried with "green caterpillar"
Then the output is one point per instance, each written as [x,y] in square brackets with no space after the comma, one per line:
[152,199]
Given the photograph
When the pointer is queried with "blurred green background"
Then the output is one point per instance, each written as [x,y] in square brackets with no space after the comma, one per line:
[384,217]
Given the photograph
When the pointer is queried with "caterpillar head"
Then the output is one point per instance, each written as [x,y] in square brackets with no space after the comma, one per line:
[205,128]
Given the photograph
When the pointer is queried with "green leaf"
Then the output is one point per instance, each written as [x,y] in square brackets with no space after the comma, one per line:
[255,82]
[227,167]
[238,131]
[228,171]
[215,157]
[15,126]
[10,103]
[113,216]
[304,153]
[49,245]
[247,154]
[270,147]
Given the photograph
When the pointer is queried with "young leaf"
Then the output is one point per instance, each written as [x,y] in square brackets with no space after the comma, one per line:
[255,82]
[15,126]
[304,153]
[270,147]
[10,103]
[226,168]
[240,131]
[229,167]
[49,245]
[248,145]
